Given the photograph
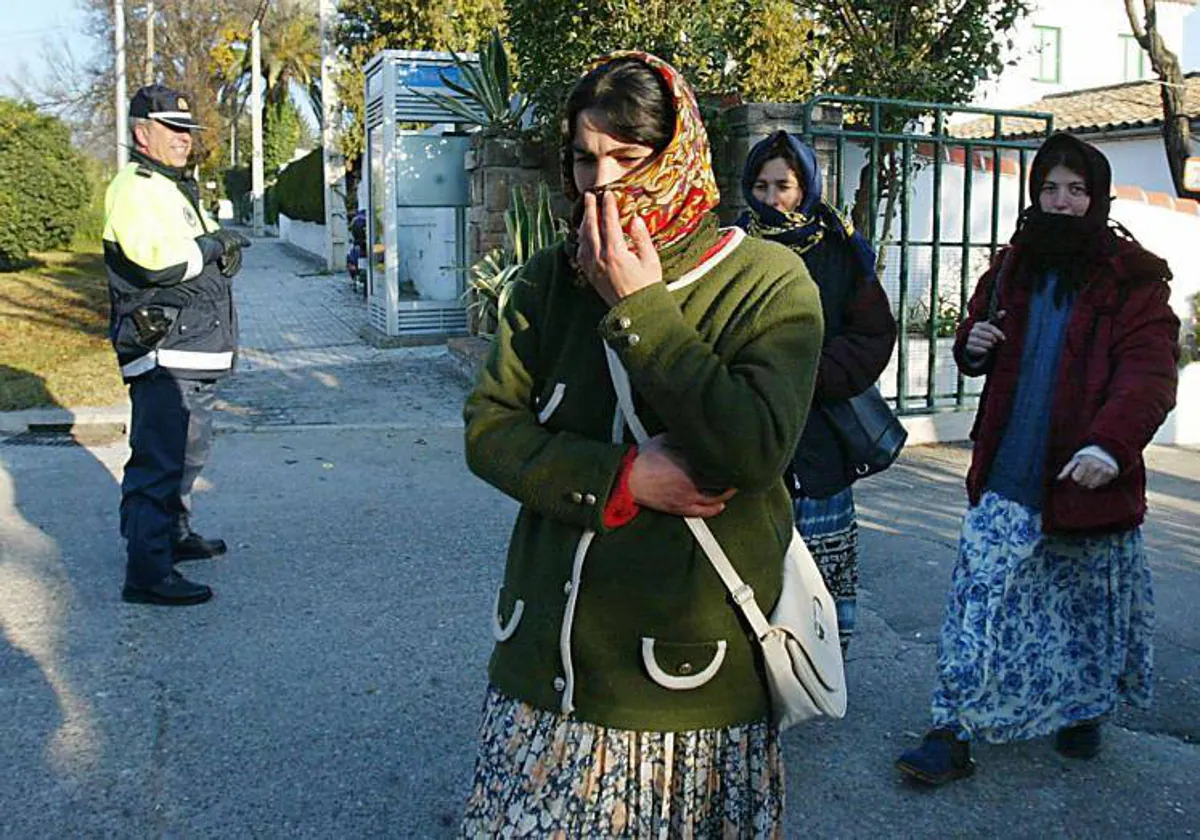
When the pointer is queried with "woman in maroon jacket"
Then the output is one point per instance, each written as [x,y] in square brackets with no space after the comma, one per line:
[1049,622]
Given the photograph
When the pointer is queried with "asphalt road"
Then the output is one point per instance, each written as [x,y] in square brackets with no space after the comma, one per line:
[332,688]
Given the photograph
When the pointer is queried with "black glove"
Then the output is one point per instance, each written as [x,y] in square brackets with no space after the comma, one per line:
[230,263]
[227,246]
[230,239]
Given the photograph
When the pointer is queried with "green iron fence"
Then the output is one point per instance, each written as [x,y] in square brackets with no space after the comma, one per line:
[905,148]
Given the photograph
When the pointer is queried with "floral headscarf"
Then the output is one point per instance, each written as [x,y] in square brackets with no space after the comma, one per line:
[674,190]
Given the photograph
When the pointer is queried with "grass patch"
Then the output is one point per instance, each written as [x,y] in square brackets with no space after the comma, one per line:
[54,323]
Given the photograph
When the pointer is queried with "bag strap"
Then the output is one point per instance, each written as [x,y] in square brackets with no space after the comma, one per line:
[741,592]
[994,293]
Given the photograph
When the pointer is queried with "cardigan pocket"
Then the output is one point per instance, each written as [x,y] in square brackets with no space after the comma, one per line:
[547,404]
[681,666]
[502,630]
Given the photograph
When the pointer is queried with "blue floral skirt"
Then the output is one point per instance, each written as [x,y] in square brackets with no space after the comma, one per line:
[1041,632]
[830,530]
[540,774]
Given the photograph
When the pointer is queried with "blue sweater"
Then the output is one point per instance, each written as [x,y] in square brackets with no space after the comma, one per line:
[1018,472]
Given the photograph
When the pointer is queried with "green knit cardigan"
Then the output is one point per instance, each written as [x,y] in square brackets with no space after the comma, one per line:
[631,627]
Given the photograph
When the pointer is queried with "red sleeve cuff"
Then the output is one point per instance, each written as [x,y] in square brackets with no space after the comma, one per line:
[621,508]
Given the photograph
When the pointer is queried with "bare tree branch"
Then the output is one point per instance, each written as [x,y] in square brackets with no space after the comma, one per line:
[1176,126]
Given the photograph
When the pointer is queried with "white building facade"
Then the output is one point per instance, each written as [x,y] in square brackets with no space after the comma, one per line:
[1075,44]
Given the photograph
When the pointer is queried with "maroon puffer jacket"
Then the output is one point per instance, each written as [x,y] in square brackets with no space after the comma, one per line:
[1116,384]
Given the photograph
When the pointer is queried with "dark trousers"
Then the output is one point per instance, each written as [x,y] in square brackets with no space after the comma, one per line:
[170,437]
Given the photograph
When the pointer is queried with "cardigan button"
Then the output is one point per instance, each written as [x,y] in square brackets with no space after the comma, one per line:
[559,683]
[589,499]
[685,668]
[633,339]
[577,497]
[567,588]
[624,323]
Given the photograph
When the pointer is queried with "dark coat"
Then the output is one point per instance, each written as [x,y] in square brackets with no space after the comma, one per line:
[860,333]
[1115,385]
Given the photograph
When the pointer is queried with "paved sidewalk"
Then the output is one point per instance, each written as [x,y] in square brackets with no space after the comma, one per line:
[302,362]
[299,347]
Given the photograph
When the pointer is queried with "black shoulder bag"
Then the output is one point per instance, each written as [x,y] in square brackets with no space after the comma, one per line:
[870,433]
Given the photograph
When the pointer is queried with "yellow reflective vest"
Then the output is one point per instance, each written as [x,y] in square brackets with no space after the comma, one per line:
[162,271]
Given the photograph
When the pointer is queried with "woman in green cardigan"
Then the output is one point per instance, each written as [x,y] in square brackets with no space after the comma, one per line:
[627,696]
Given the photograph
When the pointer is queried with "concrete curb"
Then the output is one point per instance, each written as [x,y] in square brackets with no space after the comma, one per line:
[63,419]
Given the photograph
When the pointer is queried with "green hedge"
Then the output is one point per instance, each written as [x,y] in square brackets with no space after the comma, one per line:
[44,188]
[237,190]
[300,190]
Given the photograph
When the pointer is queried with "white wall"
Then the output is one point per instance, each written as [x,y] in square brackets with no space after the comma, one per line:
[308,236]
[1173,237]
[1140,162]
[1091,50]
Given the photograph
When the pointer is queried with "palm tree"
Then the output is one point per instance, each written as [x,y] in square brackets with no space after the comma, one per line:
[291,50]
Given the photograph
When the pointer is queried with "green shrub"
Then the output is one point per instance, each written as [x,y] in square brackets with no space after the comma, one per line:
[270,206]
[529,227]
[299,193]
[281,133]
[237,190]
[1189,333]
[727,49]
[91,216]
[42,191]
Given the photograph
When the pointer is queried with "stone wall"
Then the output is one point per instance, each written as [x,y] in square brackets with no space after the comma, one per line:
[747,124]
[494,166]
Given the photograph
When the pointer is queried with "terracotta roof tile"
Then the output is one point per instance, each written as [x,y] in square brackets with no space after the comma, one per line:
[1127,105]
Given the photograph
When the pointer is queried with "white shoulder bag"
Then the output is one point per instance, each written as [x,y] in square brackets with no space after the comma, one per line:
[800,644]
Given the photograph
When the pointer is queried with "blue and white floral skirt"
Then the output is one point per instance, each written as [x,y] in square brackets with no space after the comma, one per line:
[1041,631]
[540,774]
[830,530]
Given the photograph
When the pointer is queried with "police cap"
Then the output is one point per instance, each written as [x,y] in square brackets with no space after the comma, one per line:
[162,104]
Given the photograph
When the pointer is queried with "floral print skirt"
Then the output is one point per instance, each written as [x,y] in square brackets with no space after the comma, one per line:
[541,774]
[1041,632]
[830,530]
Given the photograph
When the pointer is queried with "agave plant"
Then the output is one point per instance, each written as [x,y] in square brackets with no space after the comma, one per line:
[528,229]
[488,97]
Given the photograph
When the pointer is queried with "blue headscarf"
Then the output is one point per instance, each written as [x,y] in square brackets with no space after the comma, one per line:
[812,219]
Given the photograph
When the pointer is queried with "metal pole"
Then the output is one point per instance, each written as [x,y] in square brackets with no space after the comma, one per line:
[148,77]
[256,127]
[334,163]
[122,106]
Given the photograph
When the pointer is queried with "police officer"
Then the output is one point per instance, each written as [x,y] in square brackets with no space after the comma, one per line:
[170,270]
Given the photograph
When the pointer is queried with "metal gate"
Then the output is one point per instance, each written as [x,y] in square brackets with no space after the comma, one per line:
[899,161]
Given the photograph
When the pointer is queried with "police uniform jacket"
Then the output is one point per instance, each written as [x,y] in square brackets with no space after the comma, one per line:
[159,259]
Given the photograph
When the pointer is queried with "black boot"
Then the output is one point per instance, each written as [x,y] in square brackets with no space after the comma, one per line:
[941,758]
[195,547]
[1081,740]
[172,591]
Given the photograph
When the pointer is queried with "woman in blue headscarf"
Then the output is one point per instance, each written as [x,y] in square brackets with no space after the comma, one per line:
[781,183]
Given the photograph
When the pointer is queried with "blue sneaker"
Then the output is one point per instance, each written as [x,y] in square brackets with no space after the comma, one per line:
[941,758]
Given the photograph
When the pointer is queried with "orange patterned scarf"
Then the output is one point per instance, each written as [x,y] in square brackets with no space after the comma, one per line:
[674,190]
